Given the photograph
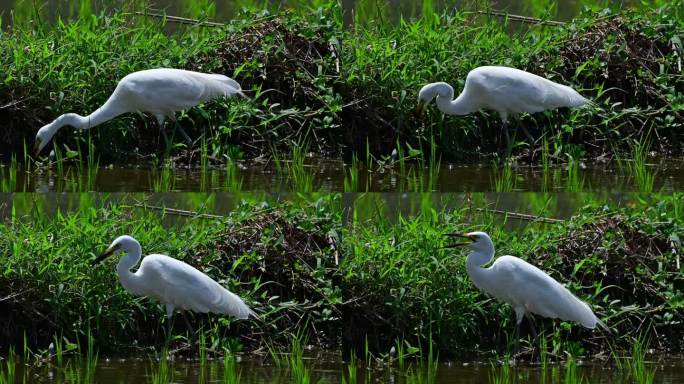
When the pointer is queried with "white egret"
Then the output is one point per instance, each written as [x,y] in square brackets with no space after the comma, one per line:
[508,91]
[161,92]
[522,285]
[172,282]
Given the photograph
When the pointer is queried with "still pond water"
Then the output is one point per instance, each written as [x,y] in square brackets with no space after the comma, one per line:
[328,370]
[334,176]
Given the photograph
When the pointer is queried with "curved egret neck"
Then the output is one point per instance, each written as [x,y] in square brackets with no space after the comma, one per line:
[130,281]
[463,105]
[477,273]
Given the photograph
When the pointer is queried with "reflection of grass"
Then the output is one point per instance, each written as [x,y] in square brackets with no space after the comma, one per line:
[9,176]
[298,370]
[501,374]
[87,169]
[643,177]
[231,375]
[575,179]
[162,178]
[351,176]
[546,164]
[301,178]
[163,373]
[635,365]
[88,361]
[352,371]
[572,376]
[504,180]
[8,369]
[233,182]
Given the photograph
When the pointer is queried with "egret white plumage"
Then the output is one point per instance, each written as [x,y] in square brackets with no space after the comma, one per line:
[172,282]
[508,91]
[161,92]
[523,286]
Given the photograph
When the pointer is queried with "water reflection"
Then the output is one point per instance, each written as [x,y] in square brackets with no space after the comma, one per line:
[334,176]
[330,370]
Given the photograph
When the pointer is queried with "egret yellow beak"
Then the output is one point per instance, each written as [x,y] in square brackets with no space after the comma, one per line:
[110,251]
[462,236]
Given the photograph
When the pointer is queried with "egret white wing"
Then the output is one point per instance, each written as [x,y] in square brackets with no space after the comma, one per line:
[539,293]
[185,287]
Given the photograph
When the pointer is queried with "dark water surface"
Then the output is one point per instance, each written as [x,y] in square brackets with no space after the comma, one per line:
[328,370]
[334,176]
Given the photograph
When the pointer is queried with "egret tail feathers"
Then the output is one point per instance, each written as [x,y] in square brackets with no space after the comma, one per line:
[225,80]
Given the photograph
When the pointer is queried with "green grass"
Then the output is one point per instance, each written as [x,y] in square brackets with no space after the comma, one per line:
[8,368]
[231,374]
[639,170]
[635,366]
[299,371]
[163,178]
[393,262]
[162,371]
[503,373]
[358,95]
[68,239]
[397,263]
[504,179]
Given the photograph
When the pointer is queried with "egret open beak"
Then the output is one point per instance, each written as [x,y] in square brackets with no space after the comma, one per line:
[420,108]
[110,251]
[461,244]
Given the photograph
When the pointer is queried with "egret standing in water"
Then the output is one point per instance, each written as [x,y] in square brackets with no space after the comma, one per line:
[161,92]
[508,91]
[522,285]
[172,282]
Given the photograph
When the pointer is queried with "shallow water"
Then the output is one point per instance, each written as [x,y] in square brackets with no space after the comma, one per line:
[332,370]
[331,176]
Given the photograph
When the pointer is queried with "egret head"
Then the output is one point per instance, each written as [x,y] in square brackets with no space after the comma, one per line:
[126,244]
[46,133]
[432,90]
[476,241]
[43,137]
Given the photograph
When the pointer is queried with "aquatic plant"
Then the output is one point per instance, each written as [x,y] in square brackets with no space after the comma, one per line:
[347,87]
[231,374]
[504,179]
[501,373]
[8,368]
[643,177]
[162,373]
[351,176]
[163,178]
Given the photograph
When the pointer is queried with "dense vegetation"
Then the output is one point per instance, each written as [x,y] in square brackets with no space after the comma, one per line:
[374,281]
[337,90]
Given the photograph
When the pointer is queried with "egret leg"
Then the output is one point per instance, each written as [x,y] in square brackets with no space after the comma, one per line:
[187,324]
[169,320]
[509,148]
[183,133]
[527,133]
[535,335]
[508,136]
[164,135]
[160,124]
[519,315]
